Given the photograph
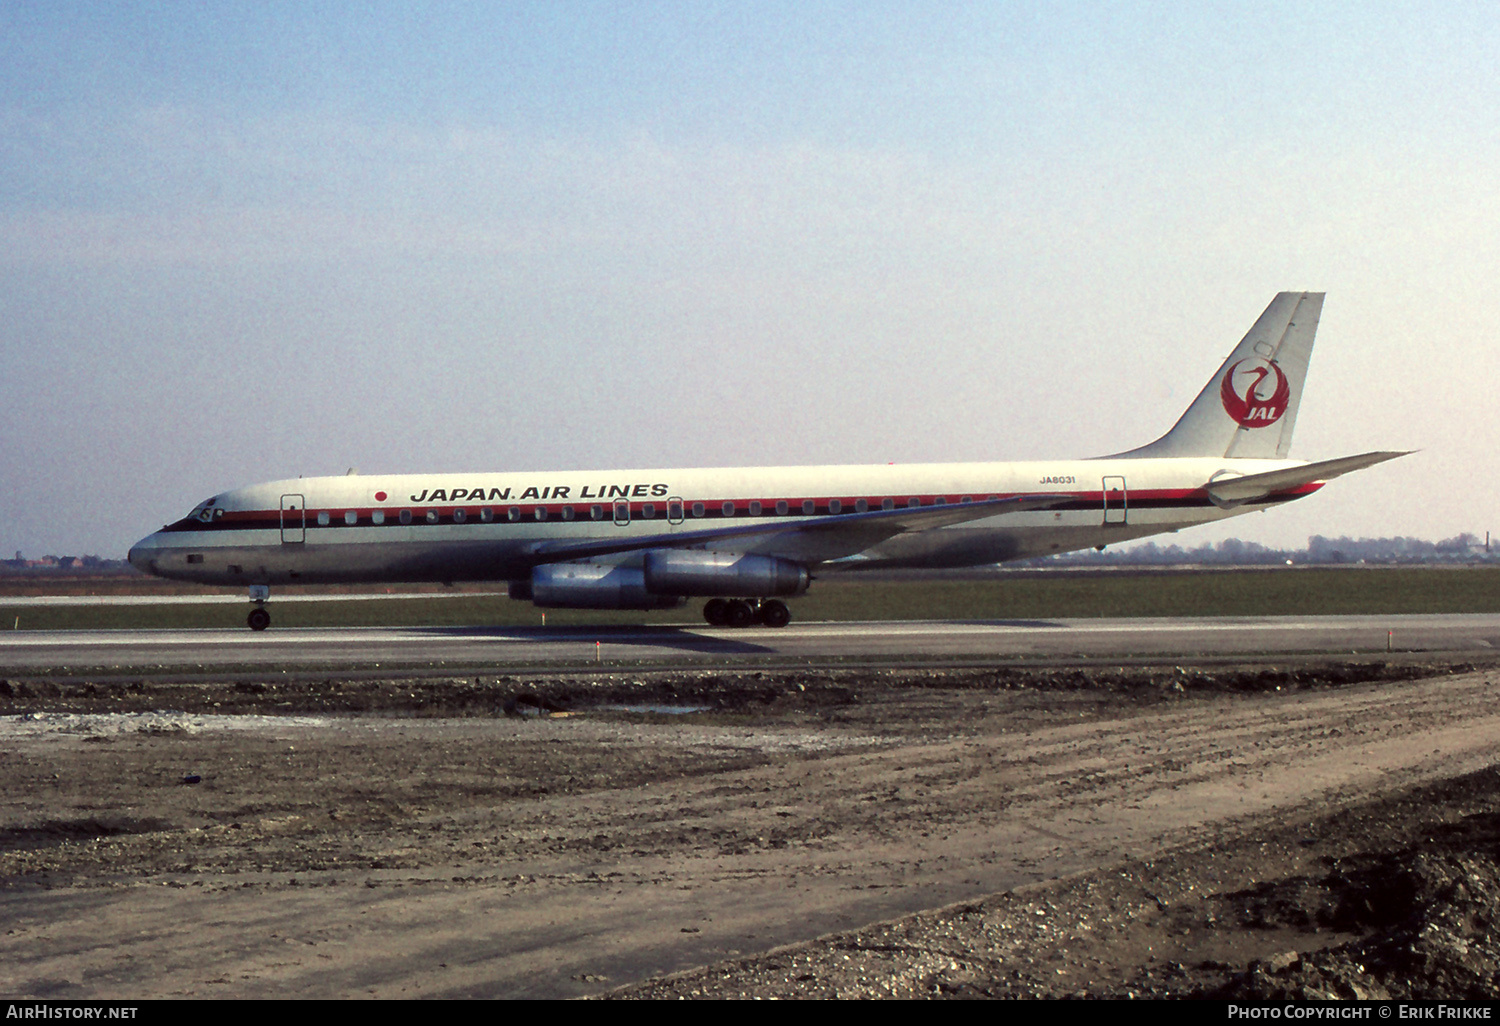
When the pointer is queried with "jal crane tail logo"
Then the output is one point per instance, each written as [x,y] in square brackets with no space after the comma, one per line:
[1244,393]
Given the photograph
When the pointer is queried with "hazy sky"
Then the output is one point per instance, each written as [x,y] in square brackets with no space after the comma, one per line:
[246,242]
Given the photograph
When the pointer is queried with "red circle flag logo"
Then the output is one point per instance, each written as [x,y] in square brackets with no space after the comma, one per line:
[1255,393]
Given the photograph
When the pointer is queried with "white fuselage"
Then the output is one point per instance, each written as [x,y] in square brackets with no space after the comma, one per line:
[450,527]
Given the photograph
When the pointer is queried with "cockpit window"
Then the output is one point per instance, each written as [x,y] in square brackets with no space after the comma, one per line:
[204,511]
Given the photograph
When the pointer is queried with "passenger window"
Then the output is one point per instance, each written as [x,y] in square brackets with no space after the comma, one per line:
[966,498]
[486,515]
[459,516]
[514,513]
[596,512]
[755,508]
[406,516]
[698,509]
[649,510]
[913,502]
[540,513]
[938,500]
[860,505]
[351,517]
[728,509]
[781,507]
[835,506]
[323,518]
[808,506]
[378,517]
[432,516]
[567,512]
[887,503]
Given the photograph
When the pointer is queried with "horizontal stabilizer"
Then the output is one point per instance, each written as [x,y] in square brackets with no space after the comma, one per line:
[1228,492]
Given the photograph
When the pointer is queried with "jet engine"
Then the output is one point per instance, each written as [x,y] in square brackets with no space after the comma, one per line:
[593,586]
[692,572]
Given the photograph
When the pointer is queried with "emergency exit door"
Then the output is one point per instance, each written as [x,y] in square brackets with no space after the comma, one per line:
[1116,501]
[293,520]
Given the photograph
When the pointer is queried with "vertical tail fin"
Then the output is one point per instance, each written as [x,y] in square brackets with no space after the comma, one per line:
[1249,407]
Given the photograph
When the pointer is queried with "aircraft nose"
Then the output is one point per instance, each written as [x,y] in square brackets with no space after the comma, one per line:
[142,554]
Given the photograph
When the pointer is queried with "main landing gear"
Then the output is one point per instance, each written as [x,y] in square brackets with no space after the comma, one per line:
[259,619]
[746,612]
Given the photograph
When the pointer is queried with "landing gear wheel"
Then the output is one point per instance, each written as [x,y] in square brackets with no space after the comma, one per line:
[739,614]
[716,612]
[774,613]
[258,619]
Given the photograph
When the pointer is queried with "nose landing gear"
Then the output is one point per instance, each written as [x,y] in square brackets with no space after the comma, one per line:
[746,612]
[259,619]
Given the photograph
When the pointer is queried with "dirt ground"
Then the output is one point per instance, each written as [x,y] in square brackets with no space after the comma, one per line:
[1259,832]
[1395,898]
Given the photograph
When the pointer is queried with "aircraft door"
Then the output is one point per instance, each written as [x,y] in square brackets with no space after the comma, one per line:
[622,514]
[293,520]
[1116,501]
[674,509]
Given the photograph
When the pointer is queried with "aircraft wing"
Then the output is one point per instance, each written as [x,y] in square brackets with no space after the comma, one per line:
[1228,492]
[813,541]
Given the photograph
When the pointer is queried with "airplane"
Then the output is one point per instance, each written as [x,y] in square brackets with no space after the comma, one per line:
[746,539]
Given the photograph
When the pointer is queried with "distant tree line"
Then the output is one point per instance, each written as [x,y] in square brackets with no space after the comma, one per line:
[51,562]
[1462,548]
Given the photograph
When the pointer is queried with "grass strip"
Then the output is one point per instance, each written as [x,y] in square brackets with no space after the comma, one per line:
[1271,592]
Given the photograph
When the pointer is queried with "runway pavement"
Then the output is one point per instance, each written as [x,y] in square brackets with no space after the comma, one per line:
[1471,635]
